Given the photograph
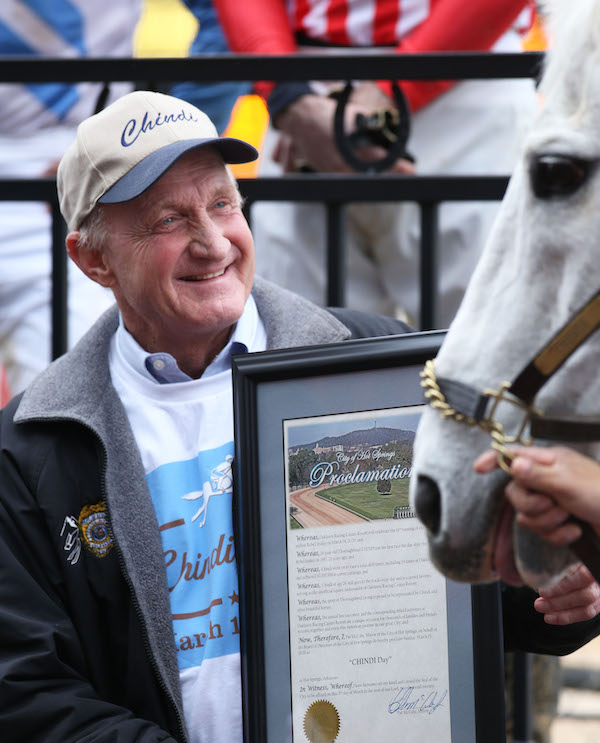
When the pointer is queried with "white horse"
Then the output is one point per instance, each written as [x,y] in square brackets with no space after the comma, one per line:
[540,266]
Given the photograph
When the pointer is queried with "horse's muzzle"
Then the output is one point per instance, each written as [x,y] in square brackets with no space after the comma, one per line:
[460,543]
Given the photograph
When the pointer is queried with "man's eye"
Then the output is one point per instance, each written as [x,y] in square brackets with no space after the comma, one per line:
[168,221]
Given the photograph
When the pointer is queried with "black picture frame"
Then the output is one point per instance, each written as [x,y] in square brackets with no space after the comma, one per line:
[274,386]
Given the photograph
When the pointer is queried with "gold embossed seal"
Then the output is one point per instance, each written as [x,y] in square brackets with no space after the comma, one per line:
[321,722]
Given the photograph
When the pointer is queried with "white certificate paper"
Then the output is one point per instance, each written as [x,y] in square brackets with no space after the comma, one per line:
[368,625]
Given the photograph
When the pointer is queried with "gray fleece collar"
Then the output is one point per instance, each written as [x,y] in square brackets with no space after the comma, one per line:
[76,385]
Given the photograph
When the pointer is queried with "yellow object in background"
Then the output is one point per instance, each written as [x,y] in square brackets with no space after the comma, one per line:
[166,29]
[249,121]
[536,39]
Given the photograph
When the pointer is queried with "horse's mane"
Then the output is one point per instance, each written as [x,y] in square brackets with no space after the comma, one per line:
[574,44]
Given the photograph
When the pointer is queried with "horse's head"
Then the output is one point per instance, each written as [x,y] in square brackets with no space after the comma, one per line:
[539,267]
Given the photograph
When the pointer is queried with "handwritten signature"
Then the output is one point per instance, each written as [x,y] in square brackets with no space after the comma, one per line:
[405,700]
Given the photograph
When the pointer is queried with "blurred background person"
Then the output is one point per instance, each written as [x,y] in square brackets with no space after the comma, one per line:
[473,127]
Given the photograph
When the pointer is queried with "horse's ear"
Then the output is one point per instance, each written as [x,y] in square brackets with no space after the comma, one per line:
[551,9]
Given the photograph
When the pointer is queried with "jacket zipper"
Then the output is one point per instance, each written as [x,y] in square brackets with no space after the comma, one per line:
[136,604]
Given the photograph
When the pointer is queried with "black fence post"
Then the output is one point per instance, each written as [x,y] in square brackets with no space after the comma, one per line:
[522,715]
[428,266]
[336,256]
[60,336]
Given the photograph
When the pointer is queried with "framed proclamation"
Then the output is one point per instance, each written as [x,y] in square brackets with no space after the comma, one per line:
[348,632]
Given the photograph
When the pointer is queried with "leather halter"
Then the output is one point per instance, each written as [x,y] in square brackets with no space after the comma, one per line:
[465,404]
[388,129]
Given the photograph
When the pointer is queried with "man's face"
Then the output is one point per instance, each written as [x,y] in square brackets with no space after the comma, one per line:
[181,256]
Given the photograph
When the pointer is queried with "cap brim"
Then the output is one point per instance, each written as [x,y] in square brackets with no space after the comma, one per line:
[152,167]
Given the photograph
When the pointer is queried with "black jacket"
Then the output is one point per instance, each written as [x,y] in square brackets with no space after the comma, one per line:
[86,649]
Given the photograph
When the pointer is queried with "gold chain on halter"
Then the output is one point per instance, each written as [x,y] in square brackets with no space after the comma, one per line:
[438,401]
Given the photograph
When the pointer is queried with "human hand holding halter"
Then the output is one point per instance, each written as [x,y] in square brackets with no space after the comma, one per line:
[307,127]
[548,486]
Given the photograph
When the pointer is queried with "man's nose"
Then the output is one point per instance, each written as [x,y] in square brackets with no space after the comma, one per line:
[208,239]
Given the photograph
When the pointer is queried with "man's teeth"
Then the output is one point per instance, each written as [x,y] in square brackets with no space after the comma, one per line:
[204,276]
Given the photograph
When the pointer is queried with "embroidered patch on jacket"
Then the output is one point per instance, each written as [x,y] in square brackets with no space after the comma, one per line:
[94,531]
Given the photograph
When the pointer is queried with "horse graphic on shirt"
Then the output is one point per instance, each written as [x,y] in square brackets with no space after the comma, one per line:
[221,482]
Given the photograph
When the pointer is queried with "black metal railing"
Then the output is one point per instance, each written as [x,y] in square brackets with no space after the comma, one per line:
[224,67]
[334,191]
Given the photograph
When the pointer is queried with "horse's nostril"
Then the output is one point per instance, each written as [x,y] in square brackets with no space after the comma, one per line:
[428,503]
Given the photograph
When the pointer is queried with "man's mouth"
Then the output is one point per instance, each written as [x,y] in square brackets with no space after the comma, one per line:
[203,276]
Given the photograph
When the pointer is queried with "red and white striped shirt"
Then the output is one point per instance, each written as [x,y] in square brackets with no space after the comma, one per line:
[411,26]
[357,22]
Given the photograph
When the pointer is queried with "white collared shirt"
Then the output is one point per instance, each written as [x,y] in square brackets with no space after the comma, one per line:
[248,335]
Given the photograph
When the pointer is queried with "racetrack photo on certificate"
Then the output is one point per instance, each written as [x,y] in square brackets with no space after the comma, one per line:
[356,470]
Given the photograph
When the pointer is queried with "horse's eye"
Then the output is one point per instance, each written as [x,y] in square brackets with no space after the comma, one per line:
[557,175]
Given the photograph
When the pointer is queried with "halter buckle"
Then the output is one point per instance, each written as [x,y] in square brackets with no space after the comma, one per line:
[490,422]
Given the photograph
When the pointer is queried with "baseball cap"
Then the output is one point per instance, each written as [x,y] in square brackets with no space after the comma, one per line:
[121,151]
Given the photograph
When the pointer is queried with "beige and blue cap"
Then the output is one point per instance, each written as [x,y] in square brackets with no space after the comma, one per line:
[123,150]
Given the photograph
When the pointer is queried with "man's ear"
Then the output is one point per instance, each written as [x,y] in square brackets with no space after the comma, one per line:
[92,261]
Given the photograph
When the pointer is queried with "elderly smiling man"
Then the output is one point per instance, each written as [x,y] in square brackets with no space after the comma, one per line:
[118,598]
